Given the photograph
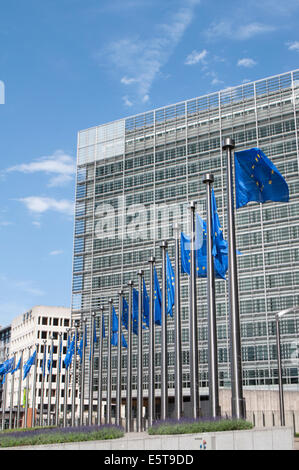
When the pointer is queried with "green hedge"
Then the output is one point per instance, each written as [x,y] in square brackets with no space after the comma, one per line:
[58,437]
[199,427]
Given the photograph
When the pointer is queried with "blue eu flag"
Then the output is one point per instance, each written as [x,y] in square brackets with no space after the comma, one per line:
[114,328]
[50,360]
[219,244]
[157,299]
[219,247]
[7,366]
[28,365]
[170,284]
[258,179]
[18,366]
[70,352]
[103,327]
[185,254]
[125,314]
[123,340]
[135,311]
[44,360]
[146,306]
[80,348]
[114,337]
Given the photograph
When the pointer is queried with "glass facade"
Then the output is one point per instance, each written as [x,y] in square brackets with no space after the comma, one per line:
[136,176]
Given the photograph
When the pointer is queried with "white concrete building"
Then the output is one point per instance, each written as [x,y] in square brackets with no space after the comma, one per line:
[30,331]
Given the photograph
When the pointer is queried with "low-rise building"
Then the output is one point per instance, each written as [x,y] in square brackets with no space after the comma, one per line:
[32,331]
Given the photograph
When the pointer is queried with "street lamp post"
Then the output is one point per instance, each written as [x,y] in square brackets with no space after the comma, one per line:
[278,344]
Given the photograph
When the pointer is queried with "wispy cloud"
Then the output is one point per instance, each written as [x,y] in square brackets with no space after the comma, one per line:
[59,166]
[56,252]
[5,223]
[195,57]
[140,60]
[229,29]
[40,205]
[246,62]
[27,287]
[293,46]
[36,224]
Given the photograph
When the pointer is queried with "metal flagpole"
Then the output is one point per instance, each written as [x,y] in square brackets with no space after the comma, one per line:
[108,392]
[82,385]
[151,363]
[20,390]
[57,403]
[212,328]
[119,359]
[194,375]
[238,402]
[4,391]
[280,380]
[50,382]
[12,393]
[140,355]
[164,363]
[100,367]
[91,368]
[66,386]
[129,362]
[74,377]
[27,392]
[177,329]
[41,413]
[34,387]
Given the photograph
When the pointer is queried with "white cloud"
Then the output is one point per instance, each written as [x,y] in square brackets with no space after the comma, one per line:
[195,57]
[56,252]
[39,205]
[128,81]
[246,62]
[60,166]
[5,223]
[36,224]
[140,61]
[293,46]
[28,288]
[228,29]
[127,102]
[216,81]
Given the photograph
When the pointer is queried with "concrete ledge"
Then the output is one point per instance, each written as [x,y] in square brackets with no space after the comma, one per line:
[276,438]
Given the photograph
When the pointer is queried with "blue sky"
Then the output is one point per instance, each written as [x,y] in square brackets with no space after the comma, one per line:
[72,64]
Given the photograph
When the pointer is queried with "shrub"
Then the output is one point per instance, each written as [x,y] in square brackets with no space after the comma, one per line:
[185,426]
[38,436]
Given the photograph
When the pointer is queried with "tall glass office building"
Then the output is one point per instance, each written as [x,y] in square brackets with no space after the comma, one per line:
[136,176]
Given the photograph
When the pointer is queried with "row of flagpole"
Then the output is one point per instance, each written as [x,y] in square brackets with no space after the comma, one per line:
[211,260]
[193,331]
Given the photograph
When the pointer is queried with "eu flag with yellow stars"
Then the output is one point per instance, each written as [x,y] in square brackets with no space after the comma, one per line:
[185,254]
[125,314]
[258,179]
[157,299]
[170,285]
[114,327]
[145,305]
[135,311]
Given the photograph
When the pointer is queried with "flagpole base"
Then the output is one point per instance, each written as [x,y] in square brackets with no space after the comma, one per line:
[238,408]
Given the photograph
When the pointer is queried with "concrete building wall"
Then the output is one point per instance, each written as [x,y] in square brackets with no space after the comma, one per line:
[34,330]
[262,406]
